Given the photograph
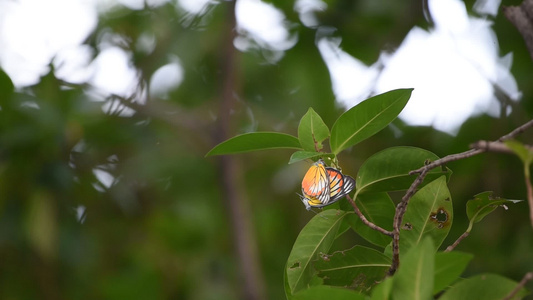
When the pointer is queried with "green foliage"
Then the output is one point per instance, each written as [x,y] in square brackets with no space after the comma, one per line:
[415,278]
[161,228]
[367,118]
[303,155]
[356,268]
[483,286]
[430,214]
[255,141]
[312,131]
[448,267]
[525,154]
[321,292]
[483,204]
[379,209]
[388,170]
[315,239]
[312,271]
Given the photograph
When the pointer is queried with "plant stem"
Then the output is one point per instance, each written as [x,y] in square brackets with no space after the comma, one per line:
[365,220]
[529,191]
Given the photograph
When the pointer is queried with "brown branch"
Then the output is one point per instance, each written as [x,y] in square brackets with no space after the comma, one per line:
[529,194]
[460,239]
[365,220]
[492,147]
[521,284]
[521,17]
[401,208]
[239,208]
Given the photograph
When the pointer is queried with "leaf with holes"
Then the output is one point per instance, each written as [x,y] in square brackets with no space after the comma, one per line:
[429,214]
[414,279]
[358,268]
[312,131]
[367,118]
[388,170]
[255,141]
[483,204]
[315,238]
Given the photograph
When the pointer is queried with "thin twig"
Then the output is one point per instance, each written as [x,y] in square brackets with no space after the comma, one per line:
[492,147]
[529,192]
[401,208]
[365,220]
[521,284]
[462,237]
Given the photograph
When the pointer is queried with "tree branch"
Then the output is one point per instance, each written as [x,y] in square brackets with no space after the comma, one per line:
[402,206]
[460,239]
[521,17]
[365,220]
[521,284]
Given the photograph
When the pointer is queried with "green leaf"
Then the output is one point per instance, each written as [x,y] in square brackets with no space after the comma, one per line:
[6,88]
[255,141]
[315,238]
[483,204]
[383,290]
[286,286]
[379,209]
[414,279]
[521,151]
[302,155]
[367,118]
[388,170]
[429,213]
[484,286]
[321,292]
[448,267]
[312,131]
[359,267]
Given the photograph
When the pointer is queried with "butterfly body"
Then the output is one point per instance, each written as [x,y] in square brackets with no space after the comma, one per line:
[323,185]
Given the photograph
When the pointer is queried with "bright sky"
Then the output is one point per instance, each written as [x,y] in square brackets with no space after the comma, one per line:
[453,67]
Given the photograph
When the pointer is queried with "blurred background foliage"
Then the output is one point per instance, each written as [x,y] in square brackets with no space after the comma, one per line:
[163,226]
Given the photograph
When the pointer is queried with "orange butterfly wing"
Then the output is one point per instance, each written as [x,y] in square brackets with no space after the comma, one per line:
[323,185]
[315,183]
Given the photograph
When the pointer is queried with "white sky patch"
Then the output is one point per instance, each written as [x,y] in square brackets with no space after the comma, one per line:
[306,10]
[487,7]
[352,81]
[453,69]
[166,79]
[263,24]
[80,213]
[32,32]
[114,72]
[72,64]
[195,6]
[104,177]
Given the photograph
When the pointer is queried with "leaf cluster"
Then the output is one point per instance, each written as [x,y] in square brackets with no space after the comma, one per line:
[314,272]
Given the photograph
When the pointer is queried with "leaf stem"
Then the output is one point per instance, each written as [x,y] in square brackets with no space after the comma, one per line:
[365,220]
[460,239]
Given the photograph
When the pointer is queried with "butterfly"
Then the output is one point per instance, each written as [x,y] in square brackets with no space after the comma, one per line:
[323,185]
